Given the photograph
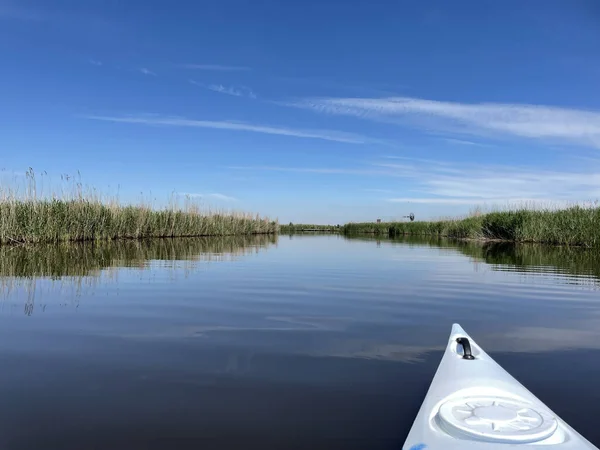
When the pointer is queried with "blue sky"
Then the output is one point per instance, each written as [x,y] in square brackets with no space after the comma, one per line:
[315,111]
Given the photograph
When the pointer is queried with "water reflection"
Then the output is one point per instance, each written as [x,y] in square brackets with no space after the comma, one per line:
[328,339]
[85,259]
[536,258]
[571,265]
[72,269]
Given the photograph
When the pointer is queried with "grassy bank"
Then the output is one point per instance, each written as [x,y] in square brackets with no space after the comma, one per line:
[30,216]
[300,227]
[82,220]
[572,226]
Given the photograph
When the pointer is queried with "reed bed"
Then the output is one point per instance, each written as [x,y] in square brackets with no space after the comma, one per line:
[576,225]
[302,227]
[27,216]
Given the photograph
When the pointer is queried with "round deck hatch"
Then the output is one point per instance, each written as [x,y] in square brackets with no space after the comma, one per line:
[496,419]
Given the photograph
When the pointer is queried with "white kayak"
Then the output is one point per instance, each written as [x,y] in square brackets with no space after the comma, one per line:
[473,403]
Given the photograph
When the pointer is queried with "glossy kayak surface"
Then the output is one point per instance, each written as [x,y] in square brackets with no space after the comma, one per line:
[473,403]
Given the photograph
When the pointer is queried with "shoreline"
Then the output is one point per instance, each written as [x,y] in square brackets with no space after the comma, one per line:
[13,242]
[81,220]
[575,226]
[481,240]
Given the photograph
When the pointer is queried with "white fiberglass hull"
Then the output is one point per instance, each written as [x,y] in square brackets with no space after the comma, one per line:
[475,404]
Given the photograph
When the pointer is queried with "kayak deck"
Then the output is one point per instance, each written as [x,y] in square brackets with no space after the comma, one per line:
[474,403]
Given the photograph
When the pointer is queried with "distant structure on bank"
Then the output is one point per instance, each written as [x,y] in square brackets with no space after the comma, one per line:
[411,216]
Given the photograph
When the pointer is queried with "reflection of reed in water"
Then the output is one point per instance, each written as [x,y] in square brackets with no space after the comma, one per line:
[530,258]
[410,240]
[581,265]
[73,269]
[85,259]
[25,293]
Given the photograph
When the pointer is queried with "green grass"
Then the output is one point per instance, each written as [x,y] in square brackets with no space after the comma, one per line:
[298,227]
[572,226]
[82,220]
[27,216]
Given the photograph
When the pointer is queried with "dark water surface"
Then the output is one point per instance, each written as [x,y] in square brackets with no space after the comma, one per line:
[304,342]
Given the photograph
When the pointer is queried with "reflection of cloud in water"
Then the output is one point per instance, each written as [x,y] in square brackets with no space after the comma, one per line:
[333,337]
[584,334]
[381,351]
[335,304]
[330,323]
[269,324]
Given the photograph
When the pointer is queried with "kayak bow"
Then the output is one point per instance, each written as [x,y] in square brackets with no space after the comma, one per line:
[473,403]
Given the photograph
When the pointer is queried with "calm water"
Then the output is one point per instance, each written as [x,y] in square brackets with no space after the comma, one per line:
[307,342]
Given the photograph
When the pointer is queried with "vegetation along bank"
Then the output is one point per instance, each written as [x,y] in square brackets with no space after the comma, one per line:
[576,225]
[301,227]
[27,216]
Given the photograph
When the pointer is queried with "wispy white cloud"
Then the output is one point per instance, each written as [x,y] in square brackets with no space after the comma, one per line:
[316,170]
[410,167]
[378,191]
[146,71]
[95,62]
[502,182]
[240,91]
[223,197]
[327,135]
[454,141]
[550,123]
[215,67]
[458,201]
[71,20]
[476,183]
[223,90]
[236,91]
[427,181]
[213,196]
